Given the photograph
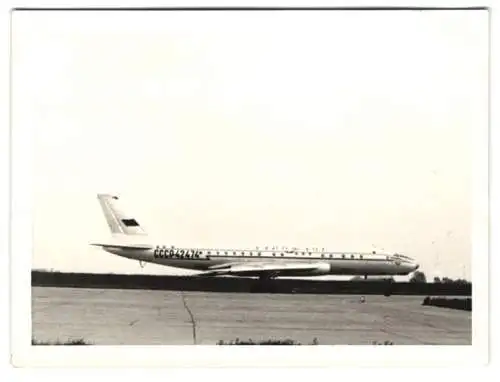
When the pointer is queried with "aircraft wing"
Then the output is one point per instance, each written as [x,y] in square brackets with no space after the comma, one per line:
[263,269]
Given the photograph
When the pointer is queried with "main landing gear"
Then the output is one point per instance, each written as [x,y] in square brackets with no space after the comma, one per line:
[267,277]
[265,284]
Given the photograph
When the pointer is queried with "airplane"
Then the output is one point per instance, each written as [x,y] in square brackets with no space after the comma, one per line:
[131,241]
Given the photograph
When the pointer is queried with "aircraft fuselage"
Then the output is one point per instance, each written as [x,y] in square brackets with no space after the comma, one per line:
[334,263]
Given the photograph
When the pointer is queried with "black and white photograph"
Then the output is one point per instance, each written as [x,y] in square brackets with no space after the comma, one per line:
[206,178]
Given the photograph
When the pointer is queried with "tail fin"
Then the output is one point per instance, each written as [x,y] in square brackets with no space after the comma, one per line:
[118,221]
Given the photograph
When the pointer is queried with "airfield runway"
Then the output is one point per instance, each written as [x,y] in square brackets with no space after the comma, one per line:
[145,317]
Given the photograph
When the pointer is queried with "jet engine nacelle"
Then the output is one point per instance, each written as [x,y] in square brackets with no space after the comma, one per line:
[322,269]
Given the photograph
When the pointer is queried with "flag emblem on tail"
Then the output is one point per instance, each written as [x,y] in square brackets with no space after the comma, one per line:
[118,221]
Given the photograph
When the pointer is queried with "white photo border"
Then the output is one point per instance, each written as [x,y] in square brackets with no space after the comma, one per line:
[23,354]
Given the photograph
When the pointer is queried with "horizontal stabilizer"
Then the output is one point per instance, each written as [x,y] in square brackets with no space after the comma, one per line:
[122,245]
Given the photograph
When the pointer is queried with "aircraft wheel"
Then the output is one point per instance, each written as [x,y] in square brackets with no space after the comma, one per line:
[265,284]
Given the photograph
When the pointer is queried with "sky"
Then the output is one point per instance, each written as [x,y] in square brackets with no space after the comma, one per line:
[346,130]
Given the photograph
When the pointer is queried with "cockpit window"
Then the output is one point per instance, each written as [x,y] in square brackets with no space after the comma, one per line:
[403,257]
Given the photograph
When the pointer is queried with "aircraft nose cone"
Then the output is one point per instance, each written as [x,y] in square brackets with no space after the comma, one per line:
[415,267]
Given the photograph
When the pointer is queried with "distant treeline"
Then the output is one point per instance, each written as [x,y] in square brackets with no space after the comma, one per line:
[419,277]
[452,303]
[246,285]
